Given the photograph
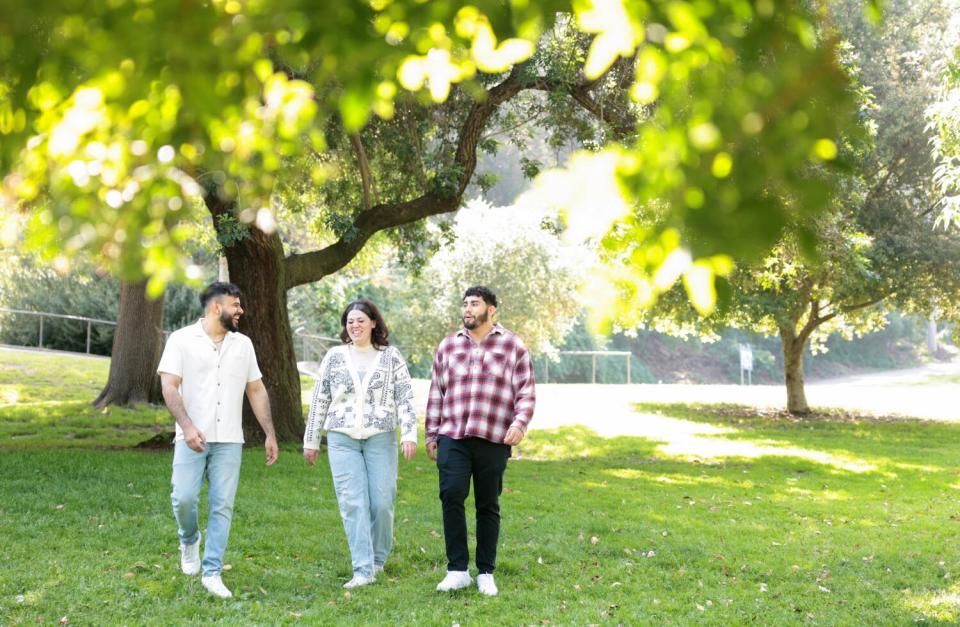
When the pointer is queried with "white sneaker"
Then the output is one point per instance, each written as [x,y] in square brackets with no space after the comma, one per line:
[486,585]
[359,580]
[214,584]
[455,580]
[377,569]
[190,557]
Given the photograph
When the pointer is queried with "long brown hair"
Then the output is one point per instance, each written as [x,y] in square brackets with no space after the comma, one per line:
[380,332]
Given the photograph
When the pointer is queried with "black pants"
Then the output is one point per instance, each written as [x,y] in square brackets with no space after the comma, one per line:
[457,461]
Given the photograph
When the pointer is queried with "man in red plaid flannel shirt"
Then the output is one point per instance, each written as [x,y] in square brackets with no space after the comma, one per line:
[481,401]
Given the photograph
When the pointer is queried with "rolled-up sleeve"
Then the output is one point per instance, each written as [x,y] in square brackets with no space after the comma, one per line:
[435,399]
[524,390]
[253,369]
[171,362]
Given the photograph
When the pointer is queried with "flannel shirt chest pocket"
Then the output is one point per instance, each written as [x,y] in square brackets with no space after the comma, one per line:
[491,364]
[495,364]
[460,363]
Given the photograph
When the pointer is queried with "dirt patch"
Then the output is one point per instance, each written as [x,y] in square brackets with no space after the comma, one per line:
[732,413]
[161,441]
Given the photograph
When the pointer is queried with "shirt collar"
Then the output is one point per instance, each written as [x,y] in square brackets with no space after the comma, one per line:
[198,331]
[496,330]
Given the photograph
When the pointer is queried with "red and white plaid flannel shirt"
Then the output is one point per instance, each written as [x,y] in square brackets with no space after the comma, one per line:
[480,390]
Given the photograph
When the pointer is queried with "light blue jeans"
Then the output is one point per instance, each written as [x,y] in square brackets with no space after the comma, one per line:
[365,479]
[220,462]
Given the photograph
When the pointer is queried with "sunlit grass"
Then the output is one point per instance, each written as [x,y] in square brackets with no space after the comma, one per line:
[939,379]
[703,441]
[45,401]
[937,605]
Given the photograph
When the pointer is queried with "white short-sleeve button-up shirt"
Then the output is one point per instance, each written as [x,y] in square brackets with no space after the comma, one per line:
[212,382]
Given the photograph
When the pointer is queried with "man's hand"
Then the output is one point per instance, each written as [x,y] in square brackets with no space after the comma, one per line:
[409,449]
[272,450]
[170,387]
[513,436]
[194,438]
[311,454]
[432,450]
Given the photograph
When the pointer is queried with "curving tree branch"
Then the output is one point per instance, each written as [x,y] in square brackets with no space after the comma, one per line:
[312,266]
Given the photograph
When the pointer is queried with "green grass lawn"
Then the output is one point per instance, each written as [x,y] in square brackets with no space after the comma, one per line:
[767,520]
[941,379]
[45,402]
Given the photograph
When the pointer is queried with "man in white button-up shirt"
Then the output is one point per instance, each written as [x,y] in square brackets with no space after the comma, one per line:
[205,370]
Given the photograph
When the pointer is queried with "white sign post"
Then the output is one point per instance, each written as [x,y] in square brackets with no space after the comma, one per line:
[746,363]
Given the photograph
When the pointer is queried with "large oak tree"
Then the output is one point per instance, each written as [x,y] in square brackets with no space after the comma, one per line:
[110,135]
[408,191]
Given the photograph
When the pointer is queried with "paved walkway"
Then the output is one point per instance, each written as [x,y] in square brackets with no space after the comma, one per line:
[608,409]
[924,392]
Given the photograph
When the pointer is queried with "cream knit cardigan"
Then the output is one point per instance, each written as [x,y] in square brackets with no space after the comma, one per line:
[379,403]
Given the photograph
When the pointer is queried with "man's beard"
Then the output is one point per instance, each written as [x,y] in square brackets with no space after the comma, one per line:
[478,321]
[228,322]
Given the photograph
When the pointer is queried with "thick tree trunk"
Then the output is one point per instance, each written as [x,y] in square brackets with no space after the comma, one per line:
[137,344]
[793,346]
[256,266]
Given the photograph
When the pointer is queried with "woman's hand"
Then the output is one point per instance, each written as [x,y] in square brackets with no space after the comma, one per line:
[311,454]
[409,449]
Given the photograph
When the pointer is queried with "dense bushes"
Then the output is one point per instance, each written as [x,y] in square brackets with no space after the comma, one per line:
[31,285]
[900,344]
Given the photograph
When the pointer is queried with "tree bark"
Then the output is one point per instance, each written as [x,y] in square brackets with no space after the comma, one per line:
[367,183]
[793,346]
[137,344]
[256,266]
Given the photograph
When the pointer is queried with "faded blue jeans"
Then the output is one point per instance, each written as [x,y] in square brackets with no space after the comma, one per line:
[220,462]
[365,479]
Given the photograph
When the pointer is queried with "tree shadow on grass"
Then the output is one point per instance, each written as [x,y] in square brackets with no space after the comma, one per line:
[74,423]
[670,432]
[824,527]
[878,443]
[811,465]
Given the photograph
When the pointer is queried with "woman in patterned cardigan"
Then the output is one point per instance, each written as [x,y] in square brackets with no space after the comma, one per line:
[362,397]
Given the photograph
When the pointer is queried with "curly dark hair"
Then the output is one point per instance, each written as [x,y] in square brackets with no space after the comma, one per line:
[483,292]
[378,337]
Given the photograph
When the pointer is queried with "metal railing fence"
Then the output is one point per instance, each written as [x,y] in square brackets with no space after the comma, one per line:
[593,355]
[312,347]
[42,315]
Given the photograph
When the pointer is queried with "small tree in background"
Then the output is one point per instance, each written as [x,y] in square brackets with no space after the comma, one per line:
[519,256]
[874,245]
